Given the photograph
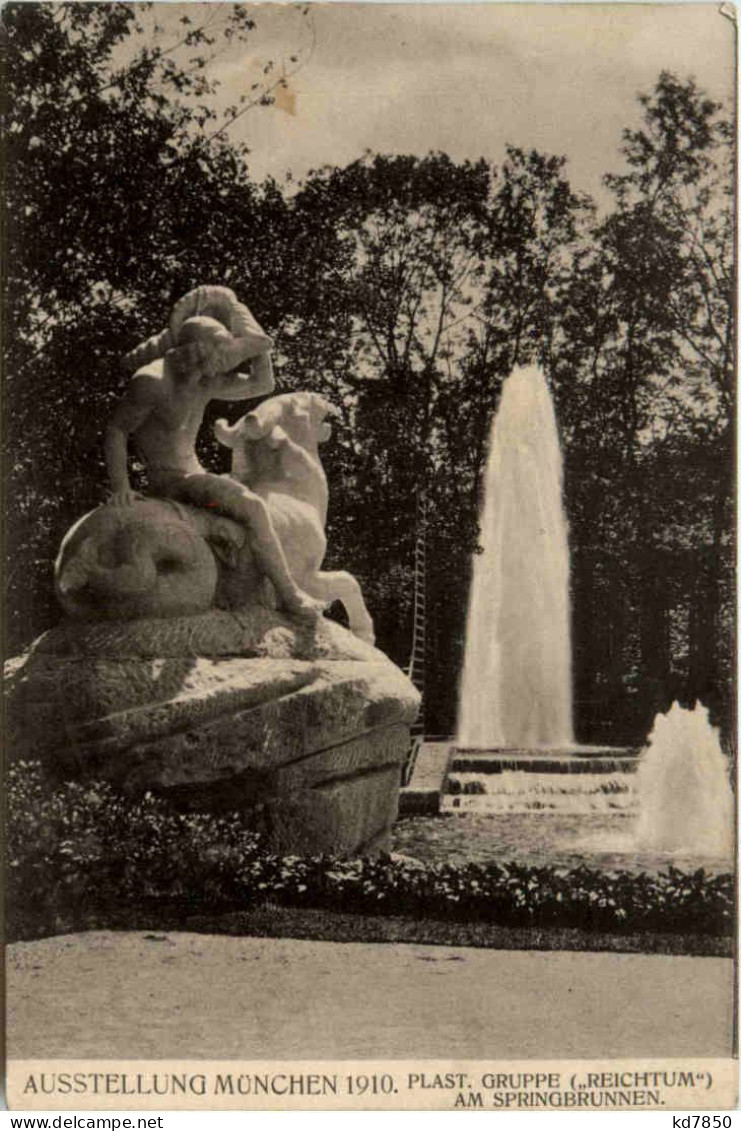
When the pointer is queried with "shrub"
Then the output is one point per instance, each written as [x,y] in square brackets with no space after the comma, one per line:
[74,848]
[79,852]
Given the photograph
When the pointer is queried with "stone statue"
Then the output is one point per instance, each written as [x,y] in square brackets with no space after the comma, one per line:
[275,452]
[176,374]
[174,671]
[159,557]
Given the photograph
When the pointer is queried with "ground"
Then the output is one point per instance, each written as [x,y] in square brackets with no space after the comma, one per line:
[180,995]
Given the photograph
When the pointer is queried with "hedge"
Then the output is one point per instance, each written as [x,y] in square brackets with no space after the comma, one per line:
[79,850]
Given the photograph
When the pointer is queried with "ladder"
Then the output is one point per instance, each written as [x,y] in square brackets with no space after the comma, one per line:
[416,668]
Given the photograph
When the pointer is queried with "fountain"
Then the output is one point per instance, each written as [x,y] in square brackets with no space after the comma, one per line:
[515,754]
[516,686]
[684,793]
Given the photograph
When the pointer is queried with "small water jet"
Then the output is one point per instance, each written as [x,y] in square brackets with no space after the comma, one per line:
[683,787]
[516,685]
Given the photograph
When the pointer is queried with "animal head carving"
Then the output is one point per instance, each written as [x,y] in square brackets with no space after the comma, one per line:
[147,560]
[299,417]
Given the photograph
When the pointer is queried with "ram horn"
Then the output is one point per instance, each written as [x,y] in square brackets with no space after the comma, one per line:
[222,304]
[191,304]
[148,351]
[258,423]
[261,372]
[226,433]
[325,406]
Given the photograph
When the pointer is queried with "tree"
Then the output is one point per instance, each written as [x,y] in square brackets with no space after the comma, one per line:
[647,327]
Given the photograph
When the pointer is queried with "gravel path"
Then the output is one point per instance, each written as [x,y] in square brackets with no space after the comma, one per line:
[138,995]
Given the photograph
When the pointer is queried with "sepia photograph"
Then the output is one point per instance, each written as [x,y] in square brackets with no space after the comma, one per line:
[369,531]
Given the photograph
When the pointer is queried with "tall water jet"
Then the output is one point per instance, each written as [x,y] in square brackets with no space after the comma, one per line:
[516,686]
[683,787]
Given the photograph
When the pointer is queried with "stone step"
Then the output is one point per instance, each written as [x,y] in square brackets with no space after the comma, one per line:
[576,760]
[422,794]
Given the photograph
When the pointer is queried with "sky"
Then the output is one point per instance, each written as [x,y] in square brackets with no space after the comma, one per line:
[467,79]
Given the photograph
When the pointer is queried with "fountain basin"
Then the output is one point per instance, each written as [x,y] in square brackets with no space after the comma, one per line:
[631,808]
[563,780]
[603,841]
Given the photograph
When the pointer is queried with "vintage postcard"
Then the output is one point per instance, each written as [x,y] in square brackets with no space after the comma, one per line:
[369,402]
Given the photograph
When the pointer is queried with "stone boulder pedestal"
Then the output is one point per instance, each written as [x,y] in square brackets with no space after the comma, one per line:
[303,729]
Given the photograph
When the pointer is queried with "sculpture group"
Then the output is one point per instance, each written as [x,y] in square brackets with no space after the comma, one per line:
[194,662]
[199,539]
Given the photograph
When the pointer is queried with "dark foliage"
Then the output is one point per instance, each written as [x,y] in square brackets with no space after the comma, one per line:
[80,853]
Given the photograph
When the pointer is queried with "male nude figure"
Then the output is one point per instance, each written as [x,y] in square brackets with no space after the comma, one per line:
[162,411]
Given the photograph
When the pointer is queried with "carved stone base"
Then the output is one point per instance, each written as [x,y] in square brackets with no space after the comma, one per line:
[304,729]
